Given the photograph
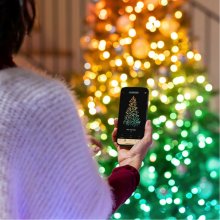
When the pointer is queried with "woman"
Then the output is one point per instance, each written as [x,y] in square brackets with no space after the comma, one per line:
[46,170]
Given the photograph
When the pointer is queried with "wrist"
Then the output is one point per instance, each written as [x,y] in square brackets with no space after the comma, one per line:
[134,161]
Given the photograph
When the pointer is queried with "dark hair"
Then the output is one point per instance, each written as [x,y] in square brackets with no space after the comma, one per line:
[16,20]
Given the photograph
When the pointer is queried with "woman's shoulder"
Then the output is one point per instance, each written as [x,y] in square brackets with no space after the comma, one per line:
[32,88]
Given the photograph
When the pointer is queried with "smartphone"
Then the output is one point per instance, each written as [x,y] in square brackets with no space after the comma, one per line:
[132,115]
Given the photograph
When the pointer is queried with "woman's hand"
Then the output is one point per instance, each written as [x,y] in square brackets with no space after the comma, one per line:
[135,155]
[94,145]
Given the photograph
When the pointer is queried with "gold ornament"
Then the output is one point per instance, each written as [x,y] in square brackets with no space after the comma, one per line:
[140,48]
[123,24]
[168,26]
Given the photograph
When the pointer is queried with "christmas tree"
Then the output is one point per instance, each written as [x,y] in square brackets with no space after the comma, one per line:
[131,115]
[145,43]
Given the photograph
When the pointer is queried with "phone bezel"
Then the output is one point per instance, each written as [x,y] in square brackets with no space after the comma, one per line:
[129,142]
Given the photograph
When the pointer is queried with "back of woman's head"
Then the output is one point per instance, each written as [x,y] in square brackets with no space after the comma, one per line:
[16,20]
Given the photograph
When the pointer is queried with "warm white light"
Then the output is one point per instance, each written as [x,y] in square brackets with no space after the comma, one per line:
[132,32]
[155,93]
[208,87]
[160,44]
[106,54]
[162,79]
[92,111]
[114,83]
[178,80]
[102,45]
[123,77]
[87,66]
[111,121]
[151,82]
[164,2]
[200,79]
[174,36]
[118,62]
[173,68]
[197,57]
[190,55]
[106,99]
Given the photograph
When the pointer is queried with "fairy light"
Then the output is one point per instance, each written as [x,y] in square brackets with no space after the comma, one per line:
[174,58]
[173,68]
[129,9]
[167,147]
[118,62]
[102,78]
[160,44]
[130,60]
[138,9]
[174,36]
[180,98]
[98,93]
[132,32]
[162,57]
[147,65]
[199,99]
[102,45]
[106,54]
[92,111]
[164,2]
[123,77]
[200,79]
[117,215]
[132,17]
[150,7]
[175,49]
[137,64]
[197,57]
[140,4]
[103,14]
[106,99]
[162,79]
[178,80]
[208,87]
[87,66]
[87,82]
[108,27]
[190,55]
[178,14]
[153,45]
[153,108]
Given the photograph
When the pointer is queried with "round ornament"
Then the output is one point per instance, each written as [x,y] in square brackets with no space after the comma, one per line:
[205,188]
[123,24]
[213,164]
[140,48]
[148,176]
[168,25]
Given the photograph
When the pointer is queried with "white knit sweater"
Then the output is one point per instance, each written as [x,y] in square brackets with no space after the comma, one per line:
[46,171]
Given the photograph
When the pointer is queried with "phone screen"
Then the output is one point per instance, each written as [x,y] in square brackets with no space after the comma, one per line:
[132,112]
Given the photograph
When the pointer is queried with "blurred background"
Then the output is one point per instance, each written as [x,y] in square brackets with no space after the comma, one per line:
[169,46]
[54,44]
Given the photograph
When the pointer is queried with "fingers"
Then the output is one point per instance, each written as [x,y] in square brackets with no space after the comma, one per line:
[145,142]
[116,122]
[114,134]
[148,132]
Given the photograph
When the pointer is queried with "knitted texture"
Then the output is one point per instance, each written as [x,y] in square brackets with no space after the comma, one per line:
[46,170]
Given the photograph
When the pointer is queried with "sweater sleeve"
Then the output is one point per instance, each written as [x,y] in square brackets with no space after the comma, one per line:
[56,177]
[123,181]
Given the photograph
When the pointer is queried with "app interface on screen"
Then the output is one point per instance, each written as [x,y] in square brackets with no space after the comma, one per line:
[132,114]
